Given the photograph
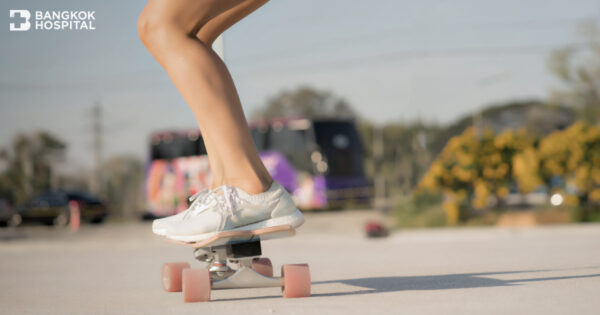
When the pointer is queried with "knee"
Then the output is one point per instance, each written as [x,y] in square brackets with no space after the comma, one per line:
[154,31]
[147,26]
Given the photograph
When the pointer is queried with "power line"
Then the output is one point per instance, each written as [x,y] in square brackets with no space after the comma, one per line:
[382,58]
[386,33]
[404,55]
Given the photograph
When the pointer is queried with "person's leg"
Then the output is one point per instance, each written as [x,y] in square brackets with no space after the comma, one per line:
[178,33]
[168,28]
[208,33]
[154,27]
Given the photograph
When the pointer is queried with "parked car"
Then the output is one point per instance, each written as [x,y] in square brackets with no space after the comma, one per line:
[52,207]
[92,208]
[8,216]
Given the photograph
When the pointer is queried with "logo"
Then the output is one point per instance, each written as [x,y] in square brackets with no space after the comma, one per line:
[22,20]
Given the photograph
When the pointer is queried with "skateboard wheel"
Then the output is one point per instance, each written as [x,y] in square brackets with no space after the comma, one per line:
[296,280]
[263,266]
[196,285]
[171,276]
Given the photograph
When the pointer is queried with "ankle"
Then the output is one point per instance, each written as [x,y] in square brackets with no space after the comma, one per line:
[251,186]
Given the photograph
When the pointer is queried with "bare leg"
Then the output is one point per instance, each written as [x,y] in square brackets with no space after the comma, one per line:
[178,33]
[208,33]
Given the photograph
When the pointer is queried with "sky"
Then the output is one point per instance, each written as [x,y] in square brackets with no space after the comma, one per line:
[392,60]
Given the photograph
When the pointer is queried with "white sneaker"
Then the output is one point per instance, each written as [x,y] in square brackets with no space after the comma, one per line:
[159,226]
[228,208]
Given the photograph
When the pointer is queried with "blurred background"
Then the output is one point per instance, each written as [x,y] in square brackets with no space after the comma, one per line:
[428,113]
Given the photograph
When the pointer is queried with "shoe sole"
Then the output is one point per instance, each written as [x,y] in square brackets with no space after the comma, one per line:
[160,232]
[295,219]
[230,236]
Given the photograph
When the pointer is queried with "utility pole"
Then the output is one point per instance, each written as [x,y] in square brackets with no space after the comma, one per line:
[378,159]
[96,148]
[218,47]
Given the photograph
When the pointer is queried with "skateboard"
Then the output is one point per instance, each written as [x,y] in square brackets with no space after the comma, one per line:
[233,259]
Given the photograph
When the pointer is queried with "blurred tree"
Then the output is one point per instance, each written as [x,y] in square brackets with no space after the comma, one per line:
[578,67]
[306,102]
[406,153]
[471,169]
[537,117]
[29,165]
[574,155]
[410,147]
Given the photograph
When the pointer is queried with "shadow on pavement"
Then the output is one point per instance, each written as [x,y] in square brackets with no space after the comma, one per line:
[438,282]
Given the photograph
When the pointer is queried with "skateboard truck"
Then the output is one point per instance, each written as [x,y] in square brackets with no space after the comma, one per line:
[235,263]
[240,256]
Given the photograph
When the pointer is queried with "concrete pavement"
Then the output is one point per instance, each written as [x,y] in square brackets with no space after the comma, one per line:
[115,268]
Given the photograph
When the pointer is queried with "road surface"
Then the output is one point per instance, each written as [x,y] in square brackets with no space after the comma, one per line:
[115,268]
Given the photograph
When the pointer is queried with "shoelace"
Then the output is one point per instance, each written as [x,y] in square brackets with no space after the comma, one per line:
[228,201]
[196,201]
[225,198]
[196,195]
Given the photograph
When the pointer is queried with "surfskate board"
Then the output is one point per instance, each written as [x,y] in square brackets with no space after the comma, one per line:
[232,259]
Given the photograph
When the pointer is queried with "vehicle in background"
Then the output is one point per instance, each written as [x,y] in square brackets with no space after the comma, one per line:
[92,208]
[320,162]
[543,195]
[8,216]
[538,197]
[52,207]
[177,168]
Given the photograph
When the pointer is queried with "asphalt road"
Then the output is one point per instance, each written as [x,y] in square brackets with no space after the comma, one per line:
[115,268]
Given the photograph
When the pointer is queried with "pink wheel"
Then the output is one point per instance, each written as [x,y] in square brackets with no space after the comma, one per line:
[171,276]
[263,266]
[296,280]
[196,285]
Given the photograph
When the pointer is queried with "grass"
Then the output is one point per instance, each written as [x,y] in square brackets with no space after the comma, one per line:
[420,212]
[426,211]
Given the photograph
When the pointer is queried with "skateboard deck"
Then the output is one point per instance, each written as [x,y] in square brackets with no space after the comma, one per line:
[226,237]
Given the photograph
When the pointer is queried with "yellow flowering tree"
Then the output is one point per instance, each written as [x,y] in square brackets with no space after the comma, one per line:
[471,169]
[574,155]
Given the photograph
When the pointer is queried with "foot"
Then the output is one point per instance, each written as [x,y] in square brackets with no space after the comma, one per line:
[228,208]
[159,226]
